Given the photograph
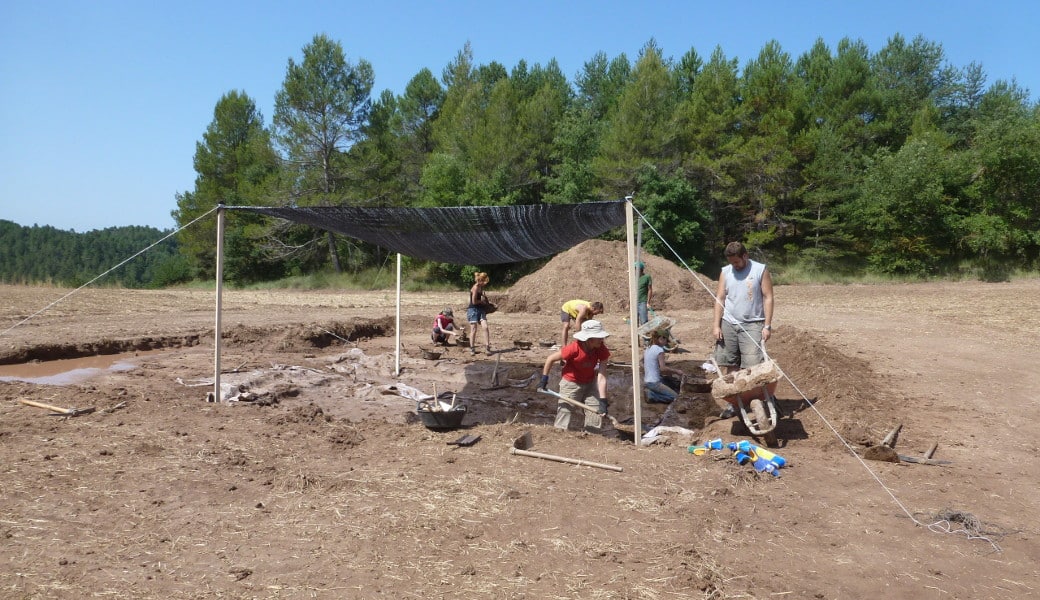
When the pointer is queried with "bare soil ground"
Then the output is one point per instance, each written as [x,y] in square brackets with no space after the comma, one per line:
[327,486]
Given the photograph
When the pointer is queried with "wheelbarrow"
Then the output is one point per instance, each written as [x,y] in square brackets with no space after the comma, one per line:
[752,391]
[658,323]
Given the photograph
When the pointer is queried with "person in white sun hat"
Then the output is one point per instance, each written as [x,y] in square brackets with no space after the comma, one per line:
[584,376]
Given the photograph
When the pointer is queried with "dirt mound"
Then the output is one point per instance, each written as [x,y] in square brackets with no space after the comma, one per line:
[300,336]
[595,270]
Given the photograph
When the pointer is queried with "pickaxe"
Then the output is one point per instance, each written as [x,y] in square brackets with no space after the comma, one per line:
[57,410]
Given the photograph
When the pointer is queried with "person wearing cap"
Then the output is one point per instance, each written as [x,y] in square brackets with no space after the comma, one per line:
[576,312]
[743,313]
[655,371]
[584,378]
[444,327]
[644,293]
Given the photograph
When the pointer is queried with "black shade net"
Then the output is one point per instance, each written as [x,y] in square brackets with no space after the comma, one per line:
[480,235]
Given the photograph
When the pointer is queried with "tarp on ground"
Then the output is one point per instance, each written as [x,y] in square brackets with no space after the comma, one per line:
[481,235]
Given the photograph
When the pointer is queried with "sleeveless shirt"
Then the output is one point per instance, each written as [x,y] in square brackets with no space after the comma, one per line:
[744,293]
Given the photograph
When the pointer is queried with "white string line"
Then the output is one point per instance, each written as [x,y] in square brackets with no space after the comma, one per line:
[811,404]
[139,253]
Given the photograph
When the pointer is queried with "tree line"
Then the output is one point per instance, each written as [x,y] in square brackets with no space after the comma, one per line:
[48,255]
[841,160]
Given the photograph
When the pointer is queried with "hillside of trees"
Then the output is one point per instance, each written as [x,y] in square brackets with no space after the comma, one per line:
[48,255]
[839,160]
[843,159]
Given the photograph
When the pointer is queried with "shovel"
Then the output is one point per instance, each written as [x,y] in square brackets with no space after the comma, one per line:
[617,424]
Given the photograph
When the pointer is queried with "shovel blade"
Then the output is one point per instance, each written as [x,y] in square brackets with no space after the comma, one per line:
[524,441]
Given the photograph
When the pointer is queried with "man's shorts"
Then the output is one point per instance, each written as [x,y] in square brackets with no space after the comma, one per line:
[740,345]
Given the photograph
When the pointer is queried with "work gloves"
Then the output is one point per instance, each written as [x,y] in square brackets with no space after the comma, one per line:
[544,385]
[602,405]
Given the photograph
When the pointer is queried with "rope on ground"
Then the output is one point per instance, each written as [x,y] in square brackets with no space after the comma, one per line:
[941,525]
[970,526]
[139,253]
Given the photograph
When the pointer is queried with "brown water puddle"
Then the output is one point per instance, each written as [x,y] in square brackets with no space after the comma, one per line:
[71,370]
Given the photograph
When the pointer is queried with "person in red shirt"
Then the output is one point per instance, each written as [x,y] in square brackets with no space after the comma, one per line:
[584,376]
[444,327]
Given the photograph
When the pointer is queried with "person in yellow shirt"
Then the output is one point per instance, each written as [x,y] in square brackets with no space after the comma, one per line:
[575,312]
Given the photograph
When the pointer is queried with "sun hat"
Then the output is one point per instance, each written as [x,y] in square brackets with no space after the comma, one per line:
[591,329]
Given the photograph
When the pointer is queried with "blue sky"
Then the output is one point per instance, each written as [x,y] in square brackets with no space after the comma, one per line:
[103,101]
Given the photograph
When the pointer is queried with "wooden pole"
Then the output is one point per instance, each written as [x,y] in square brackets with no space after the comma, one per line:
[563,459]
[633,316]
[397,325]
[219,303]
[890,439]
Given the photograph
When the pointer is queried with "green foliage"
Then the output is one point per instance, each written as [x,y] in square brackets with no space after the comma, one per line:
[831,162]
[641,125]
[905,211]
[572,178]
[175,270]
[320,112]
[672,206]
[236,165]
[48,255]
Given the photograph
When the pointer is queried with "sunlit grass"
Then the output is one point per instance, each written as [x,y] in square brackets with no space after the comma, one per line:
[806,273]
[369,279]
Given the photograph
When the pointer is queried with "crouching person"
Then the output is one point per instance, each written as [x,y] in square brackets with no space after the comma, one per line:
[584,377]
[444,327]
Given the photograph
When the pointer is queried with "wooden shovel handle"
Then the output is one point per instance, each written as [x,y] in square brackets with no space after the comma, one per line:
[56,409]
[577,404]
[564,459]
[563,398]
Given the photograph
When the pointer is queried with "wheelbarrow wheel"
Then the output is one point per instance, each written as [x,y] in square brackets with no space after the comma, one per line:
[762,421]
[759,414]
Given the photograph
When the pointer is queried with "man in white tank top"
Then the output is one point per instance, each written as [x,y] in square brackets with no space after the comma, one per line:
[746,323]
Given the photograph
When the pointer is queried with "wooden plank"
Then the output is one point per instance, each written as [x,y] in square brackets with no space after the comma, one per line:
[890,439]
[923,461]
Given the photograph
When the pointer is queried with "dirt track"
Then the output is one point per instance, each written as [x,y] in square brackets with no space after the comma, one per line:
[334,495]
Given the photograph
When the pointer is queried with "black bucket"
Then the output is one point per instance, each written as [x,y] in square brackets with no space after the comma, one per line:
[440,419]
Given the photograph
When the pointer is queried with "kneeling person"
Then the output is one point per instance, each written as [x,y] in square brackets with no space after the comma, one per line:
[654,369]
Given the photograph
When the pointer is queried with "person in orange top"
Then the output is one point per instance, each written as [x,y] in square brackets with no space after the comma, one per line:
[584,376]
